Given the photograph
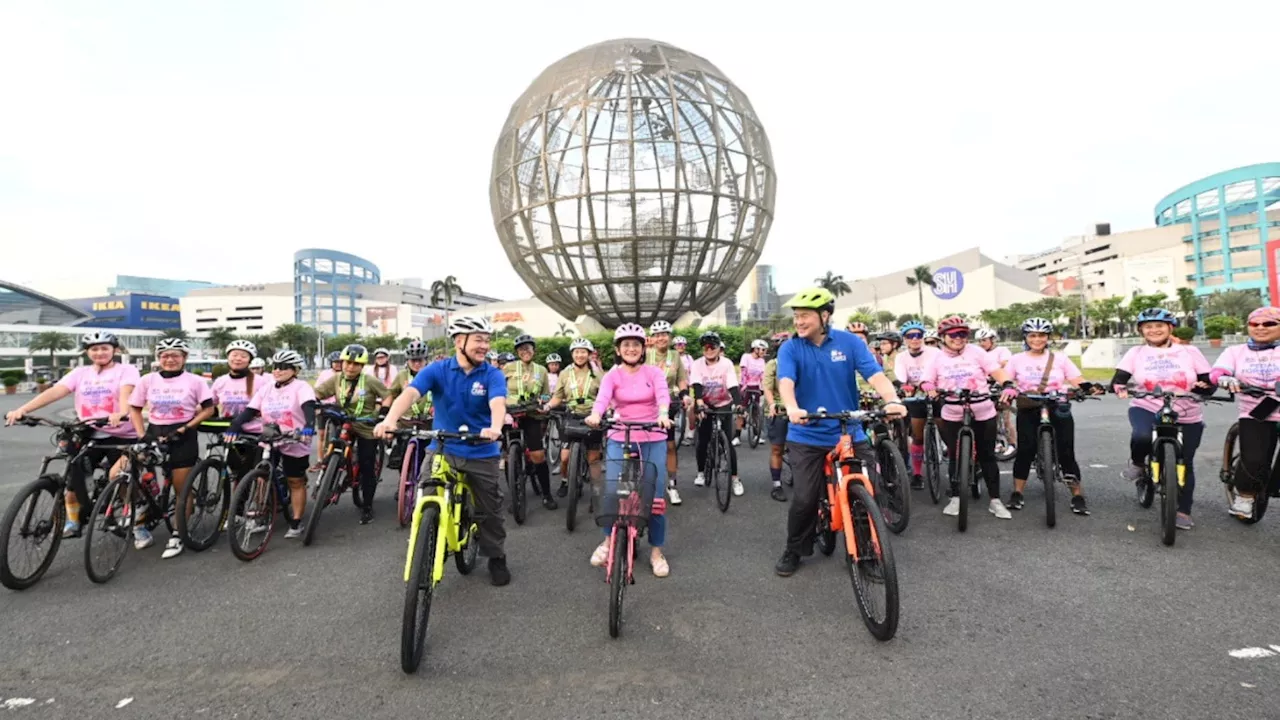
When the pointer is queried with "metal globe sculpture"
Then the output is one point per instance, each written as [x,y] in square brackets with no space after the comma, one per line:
[632,182]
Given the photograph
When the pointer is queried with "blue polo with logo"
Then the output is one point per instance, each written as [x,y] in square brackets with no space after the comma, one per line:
[825,378]
[462,398]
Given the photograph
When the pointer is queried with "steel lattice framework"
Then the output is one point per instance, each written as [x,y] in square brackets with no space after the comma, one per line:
[632,182]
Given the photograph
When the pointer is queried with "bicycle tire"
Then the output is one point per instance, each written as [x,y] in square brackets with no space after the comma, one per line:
[323,491]
[720,479]
[753,426]
[106,499]
[680,420]
[617,580]
[576,460]
[418,592]
[516,482]
[824,536]
[470,553]
[892,480]
[933,463]
[1231,469]
[866,517]
[1169,493]
[253,480]
[964,473]
[48,483]
[1048,454]
[194,494]
[405,490]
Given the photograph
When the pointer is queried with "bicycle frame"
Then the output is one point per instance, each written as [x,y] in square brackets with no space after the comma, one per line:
[629,507]
[446,489]
[841,466]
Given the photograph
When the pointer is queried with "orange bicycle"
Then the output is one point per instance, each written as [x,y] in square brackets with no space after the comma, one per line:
[850,507]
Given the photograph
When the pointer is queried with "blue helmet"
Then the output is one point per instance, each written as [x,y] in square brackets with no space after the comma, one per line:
[1156,315]
[911,325]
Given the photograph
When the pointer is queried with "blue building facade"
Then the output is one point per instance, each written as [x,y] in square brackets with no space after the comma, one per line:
[1233,228]
[326,285]
[126,284]
[132,312]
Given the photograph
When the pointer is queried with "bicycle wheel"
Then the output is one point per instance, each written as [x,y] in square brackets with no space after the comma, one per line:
[418,591]
[328,480]
[577,469]
[466,558]
[893,489]
[106,540]
[1005,451]
[724,491]
[405,490]
[255,518]
[964,473]
[39,529]
[1168,492]
[204,504]
[1047,468]
[516,481]
[825,537]
[754,423]
[873,572]
[681,420]
[933,462]
[617,579]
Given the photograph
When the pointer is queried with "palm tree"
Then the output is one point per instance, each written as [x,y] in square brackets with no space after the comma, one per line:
[834,284]
[564,331]
[446,291]
[1235,303]
[296,337]
[1188,303]
[920,276]
[178,333]
[265,344]
[219,338]
[885,319]
[53,341]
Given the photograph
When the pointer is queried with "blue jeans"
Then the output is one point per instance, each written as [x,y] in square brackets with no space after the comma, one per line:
[1143,422]
[654,453]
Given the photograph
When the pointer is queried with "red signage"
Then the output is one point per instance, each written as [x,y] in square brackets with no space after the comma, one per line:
[1273,268]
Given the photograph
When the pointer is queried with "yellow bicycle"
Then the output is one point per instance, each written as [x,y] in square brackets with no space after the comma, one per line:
[443,524]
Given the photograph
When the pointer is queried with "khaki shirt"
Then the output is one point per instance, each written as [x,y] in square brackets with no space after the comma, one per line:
[672,365]
[577,390]
[365,399]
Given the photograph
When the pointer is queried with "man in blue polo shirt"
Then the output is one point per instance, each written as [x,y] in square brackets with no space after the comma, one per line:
[467,390]
[818,368]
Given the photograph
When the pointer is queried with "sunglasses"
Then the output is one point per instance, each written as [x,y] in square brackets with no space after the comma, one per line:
[958,334]
[913,336]
[1264,323]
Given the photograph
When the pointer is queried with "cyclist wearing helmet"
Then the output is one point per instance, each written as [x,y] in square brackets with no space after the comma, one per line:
[179,402]
[931,339]
[527,385]
[335,367]
[359,394]
[257,366]
[415,358]
[577,390]
[638,393]
[750,375]
[289,404]
[889,343]
[231,395]
[661,355]
[504,359]
[818,369]
[987,341]
[908,368]
[553,372]
[102,389]
[1038,370]
[859,329]
[1160,362]
[467,391]
[776,411]
[1256,363]
[491,357]
[382,367]
[715,386]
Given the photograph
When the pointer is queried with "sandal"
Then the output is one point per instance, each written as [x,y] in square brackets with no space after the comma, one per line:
[660,567]
[601,554]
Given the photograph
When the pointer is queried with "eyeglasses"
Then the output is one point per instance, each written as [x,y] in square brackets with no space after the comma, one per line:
[1264,323]
[913,336]
[958,334]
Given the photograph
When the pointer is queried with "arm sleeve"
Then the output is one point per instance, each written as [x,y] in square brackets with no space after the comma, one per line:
[71,380]
[661,393]
[309,413]
[425,380]
[237,424]
[1226,361]
[731,379]
[1069,369]
[736,393]
[1122,377]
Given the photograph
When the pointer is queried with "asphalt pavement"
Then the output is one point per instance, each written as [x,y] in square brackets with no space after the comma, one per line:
[1092,619]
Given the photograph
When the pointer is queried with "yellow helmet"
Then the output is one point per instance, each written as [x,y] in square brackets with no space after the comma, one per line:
[817,298]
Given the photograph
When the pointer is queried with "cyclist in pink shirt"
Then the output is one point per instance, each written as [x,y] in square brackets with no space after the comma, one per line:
[715,386]
[750,377]
[382,369]
[1159,362]
[908,369]
[101,389]
[231,395]
[1257,364]
[987,341]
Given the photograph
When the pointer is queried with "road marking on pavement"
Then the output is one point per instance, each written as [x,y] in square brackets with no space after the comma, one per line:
[15,703]
[123,702]
[1251,653]
[1095,465]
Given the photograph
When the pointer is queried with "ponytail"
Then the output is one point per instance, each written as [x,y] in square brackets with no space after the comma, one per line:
[248,384]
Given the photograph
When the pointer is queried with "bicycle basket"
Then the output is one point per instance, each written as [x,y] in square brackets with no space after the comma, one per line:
[575,429]
[624,491]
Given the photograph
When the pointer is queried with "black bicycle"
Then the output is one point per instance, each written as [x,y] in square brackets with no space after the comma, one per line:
[258,495]
[718,462]
[579,477]
[935,451]
[339,470]
[520,472]
[1047,468]
[754,416]
[889,471]
[965,449]
[1267,488]
[136,497]
[31,531]
[206,498]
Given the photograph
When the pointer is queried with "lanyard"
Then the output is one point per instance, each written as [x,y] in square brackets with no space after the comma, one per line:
[668,362]
[345,393]
[520,379]
[579,391]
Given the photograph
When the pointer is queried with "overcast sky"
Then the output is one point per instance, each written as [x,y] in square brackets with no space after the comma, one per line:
[210,140]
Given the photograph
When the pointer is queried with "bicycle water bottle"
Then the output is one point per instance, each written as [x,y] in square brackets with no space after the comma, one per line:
[150,483]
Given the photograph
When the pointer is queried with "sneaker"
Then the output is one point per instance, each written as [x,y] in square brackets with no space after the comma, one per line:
[366,516]
[555,468]
[142,538]
[917,482]
[778,494]
[563,490]
[294,532]
[736,442]
[673,496]
[1131,472]
[550,503]
[700,481]
[72,529]
[1184,521]
[1078,505]
[499,575]
[601,554]
[787,564]
[737,487]
[1015,501]
[1240,507]
[660,566]
[953,507]
[172,549]
[998,509]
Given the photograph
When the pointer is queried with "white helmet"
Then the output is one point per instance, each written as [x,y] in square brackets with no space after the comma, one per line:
[582,343]
[467,324]
[244,345]
[759,345]
[491,355]
[1037,325]
[984,334]
[285,359]
[259,363]
[679,340]
[173,344]
[659,326]
[381,351]
[554,358]
[99,337]
[931,335]
[628,330]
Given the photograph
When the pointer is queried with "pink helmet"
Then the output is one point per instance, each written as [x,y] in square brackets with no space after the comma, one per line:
[628,330]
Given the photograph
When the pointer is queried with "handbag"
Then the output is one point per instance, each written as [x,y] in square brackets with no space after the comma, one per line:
[1023,403]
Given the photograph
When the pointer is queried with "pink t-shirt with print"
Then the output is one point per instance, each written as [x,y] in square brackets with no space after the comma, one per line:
[752,370]
[1259,368]
[283,406]
[715,380]
[1028,369]
[1172,368]
[232,396]
[325,375]
[1002,355]
[910,369]
[173,400]
[966,371]
[97,394]
[638,397]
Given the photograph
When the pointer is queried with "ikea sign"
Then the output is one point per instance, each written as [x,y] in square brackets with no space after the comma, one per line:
[133,312]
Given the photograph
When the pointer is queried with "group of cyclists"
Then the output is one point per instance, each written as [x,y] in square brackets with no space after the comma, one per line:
[655,380]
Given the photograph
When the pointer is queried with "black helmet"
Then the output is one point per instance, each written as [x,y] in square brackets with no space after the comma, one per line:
[335,356]
[526,340]
[710,337]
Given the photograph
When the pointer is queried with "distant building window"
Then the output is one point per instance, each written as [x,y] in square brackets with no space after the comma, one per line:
[252,327]
[245,317]
[252,307]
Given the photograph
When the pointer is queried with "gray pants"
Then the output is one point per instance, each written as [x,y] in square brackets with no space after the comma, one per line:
[482,476]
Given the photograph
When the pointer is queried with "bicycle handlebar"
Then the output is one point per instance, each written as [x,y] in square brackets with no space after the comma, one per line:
[338,413]
[35,421]
[1160,393]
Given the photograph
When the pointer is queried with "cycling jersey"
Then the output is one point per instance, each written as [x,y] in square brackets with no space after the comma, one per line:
[909,368]
[357,398]
[715,379]
[752,372]
[173,400]
[1176,367]
[460,398]
[1259,368]
[421,409]
[282,405]
[967,371]
[1027,370]
[674,368]
[231,395]
[97,394]
[526,382]
[578,390]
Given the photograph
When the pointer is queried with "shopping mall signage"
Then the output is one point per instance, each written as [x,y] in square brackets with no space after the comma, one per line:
[948,283]
[133,312]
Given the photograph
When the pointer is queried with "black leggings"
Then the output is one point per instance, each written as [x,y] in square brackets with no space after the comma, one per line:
[984,440]
[1064,432]
[366,460]
[1257,448]
[704,440]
